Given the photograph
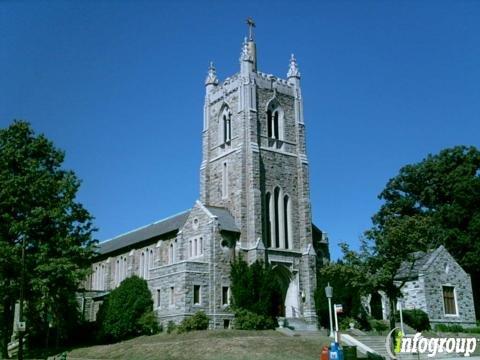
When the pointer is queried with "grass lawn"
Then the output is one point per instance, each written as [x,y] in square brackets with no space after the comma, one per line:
[209,345]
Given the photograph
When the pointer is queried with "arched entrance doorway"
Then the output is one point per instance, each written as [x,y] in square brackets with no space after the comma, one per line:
[285,300]
[376,306]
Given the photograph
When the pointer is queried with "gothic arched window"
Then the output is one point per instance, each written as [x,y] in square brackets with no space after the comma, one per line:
[287,220]
[142,264]
[278,220]
[277,210]
[124,268]
[268,209]
[275,119]
[225,126]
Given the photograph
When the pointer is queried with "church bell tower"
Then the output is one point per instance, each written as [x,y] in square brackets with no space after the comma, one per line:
[255,164]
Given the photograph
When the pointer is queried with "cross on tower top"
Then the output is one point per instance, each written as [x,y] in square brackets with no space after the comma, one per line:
[251,25]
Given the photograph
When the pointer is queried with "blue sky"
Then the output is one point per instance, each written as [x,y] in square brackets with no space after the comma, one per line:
[119,86]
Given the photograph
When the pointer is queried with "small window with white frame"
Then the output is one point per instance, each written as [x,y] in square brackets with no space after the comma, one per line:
[450,300]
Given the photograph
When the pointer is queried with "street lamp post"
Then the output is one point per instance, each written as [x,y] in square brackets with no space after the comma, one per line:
[400,308]
[329,295]
[22,295]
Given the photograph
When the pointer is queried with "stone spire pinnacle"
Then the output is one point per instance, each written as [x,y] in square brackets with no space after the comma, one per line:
[245,52]
[212,75]
[293,71]
[251,25]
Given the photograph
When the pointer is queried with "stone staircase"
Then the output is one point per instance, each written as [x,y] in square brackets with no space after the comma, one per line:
[299,324]
[376,343]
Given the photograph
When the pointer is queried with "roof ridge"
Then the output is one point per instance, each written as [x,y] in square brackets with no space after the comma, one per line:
[145,226]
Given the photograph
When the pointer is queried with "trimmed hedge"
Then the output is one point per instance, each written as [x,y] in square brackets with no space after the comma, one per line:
[457,329]
[247,320]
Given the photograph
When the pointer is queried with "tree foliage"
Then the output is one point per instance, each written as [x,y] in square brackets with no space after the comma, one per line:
[349,283]
[433,202]
[38,207]
[259,288]
[121,315]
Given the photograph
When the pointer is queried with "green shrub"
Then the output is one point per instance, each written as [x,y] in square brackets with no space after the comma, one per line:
[119,315]
[345,323]
[474,330]
[417,319]
[199,321]
[449,328]
[247,320]
[457,329]
[378,325]
[148,324]
[171,327]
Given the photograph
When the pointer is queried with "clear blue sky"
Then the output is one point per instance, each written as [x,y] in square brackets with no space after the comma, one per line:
[119,86]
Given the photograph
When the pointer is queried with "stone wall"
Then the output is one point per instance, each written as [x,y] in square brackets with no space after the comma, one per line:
[445,271]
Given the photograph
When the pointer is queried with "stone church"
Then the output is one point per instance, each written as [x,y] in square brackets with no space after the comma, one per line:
[254,202]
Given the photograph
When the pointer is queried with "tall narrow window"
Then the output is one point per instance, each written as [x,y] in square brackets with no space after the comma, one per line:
[275,125]
[225,127]
[172,295]
[229,127]
[124,268]
[174,257]
[95,279]
[225,180]
[449,300]
[170,254]
[159,299]
[196,294]
[200,246]
[225,295]
[195,247]
[151,259]
[286,220]
[276,195]
[190,250]
[145,264]
[275,119]
[102,278]
[268,220]
[269,124]
[117,272]
[142,264]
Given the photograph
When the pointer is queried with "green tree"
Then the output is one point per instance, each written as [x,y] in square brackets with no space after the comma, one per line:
[39,211]
[259,288]
[121,315]
[433,202]
[349,283]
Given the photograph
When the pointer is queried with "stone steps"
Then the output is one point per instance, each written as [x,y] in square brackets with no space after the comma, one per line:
[300,324]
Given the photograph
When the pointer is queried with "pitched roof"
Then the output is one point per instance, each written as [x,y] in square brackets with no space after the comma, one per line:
[420,261]
[158,228]
[226,221]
